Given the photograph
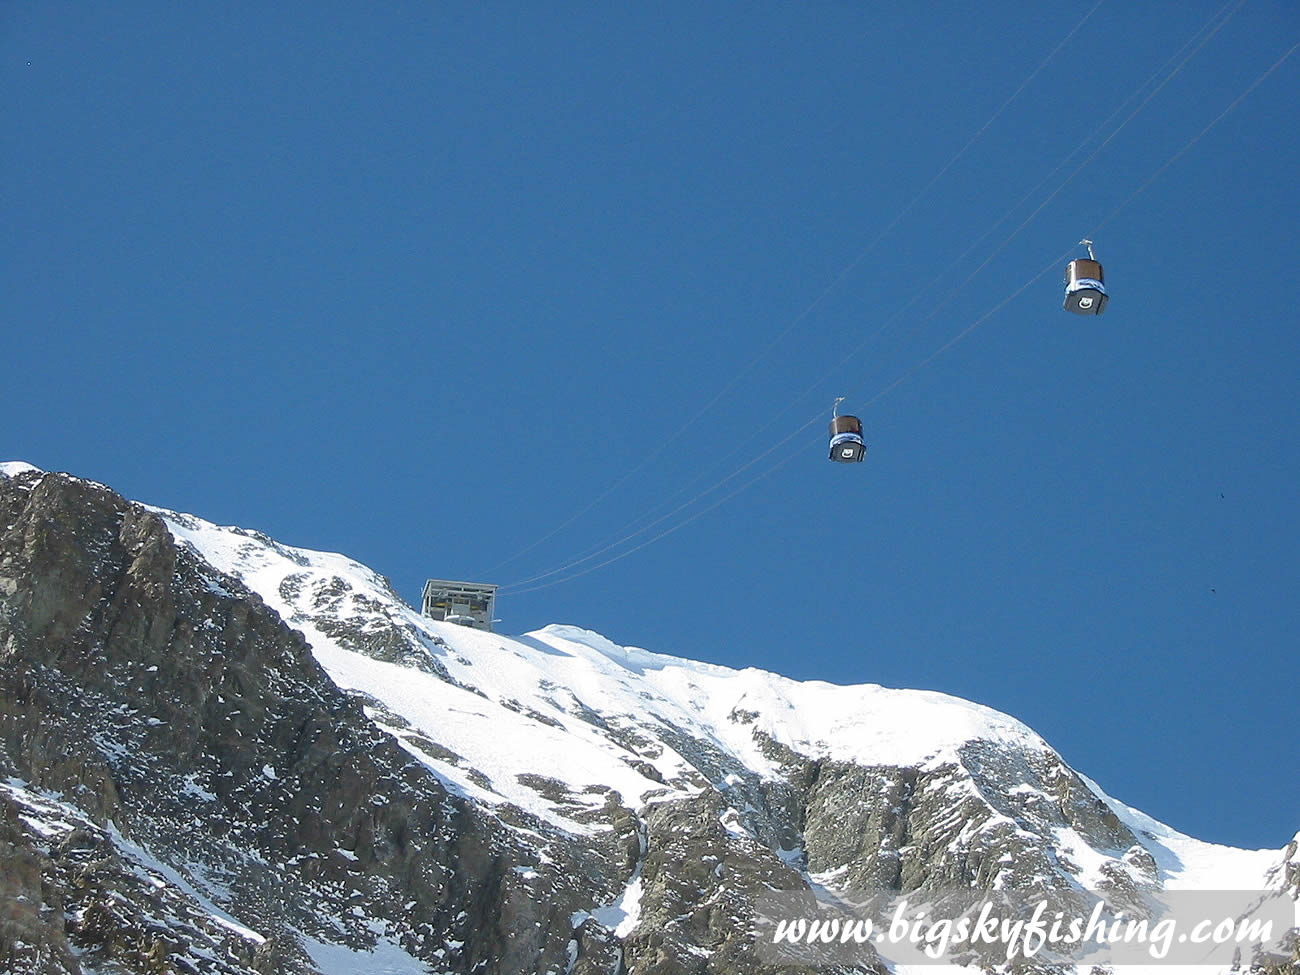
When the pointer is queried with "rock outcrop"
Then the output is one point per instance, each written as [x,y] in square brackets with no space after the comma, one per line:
[182,723]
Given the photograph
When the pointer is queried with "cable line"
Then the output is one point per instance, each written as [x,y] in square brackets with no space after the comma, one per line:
[1197,138]
[816,303]
[625,534]
[1182,53]
[517,590]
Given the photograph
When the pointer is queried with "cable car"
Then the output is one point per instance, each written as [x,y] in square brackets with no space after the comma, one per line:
[847,445]
[1085,290]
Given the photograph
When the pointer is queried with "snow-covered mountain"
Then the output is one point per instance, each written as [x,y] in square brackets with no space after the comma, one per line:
[392,793]
[590,717]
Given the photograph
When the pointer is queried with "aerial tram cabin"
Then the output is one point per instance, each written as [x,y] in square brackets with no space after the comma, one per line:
[847,445]
[1085,288]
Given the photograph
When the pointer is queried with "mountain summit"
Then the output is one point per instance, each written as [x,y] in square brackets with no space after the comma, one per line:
[219,753]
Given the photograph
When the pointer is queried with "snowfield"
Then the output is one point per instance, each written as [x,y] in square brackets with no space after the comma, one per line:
[566,704]
[536,703]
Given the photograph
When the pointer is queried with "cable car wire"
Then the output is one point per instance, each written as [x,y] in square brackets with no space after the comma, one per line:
[517,590]
[514,588]
[959,289]
[1197,138]
[621,537]
[1114,213]
[961,259]
[816,303]
[1182,58]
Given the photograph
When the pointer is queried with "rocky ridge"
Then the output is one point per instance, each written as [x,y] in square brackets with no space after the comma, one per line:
[226,754]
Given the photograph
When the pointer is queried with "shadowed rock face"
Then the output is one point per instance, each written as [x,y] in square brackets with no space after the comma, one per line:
[183,788]
[149,693]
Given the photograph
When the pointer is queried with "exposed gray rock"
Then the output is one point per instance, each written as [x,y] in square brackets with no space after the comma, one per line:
[151,693]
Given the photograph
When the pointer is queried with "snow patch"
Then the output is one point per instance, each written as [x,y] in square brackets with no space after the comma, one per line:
[622,916]
[385,958]
[1185,863]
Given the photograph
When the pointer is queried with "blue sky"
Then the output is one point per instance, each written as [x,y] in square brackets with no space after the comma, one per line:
[421,282]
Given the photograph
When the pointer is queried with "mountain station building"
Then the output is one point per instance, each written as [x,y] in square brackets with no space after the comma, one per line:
[467,603]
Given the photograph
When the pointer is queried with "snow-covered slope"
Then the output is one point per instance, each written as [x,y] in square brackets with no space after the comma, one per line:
[1191,864]
[515,717]
[546,702]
